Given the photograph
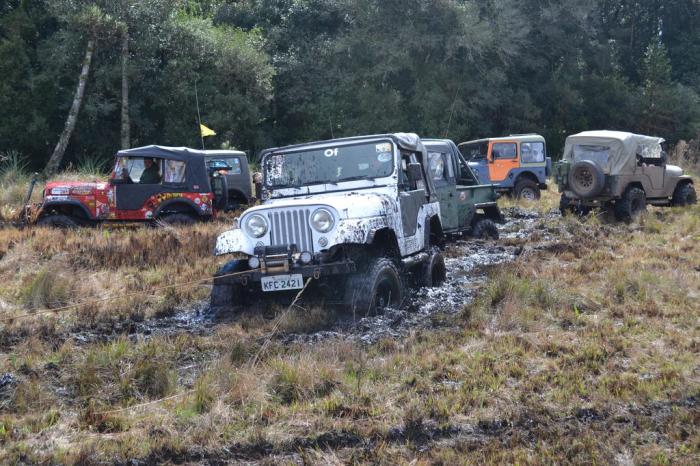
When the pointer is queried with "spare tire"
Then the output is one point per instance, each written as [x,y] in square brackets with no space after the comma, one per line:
[586,179]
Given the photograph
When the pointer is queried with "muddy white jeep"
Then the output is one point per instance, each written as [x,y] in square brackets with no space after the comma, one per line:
[357,216]
[624,171]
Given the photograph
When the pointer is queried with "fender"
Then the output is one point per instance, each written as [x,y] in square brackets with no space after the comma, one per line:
[69,202]
[172,202]
[428,231]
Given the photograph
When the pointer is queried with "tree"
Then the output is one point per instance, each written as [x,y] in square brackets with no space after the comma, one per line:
[96,23]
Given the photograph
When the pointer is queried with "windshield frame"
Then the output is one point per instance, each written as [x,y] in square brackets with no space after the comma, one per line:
[369,181]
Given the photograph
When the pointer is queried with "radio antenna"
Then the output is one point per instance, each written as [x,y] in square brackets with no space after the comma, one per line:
[199,117]
[452,111]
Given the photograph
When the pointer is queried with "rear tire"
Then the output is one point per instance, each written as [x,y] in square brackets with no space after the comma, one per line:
[684,195]
[527,190]
[434,271]
[632,203]
[58,221]
[178,219]
[378,288]
[485,228]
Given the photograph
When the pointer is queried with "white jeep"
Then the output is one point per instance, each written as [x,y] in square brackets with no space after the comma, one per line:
[354,215]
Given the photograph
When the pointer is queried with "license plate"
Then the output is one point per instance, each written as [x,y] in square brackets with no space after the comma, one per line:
[282,282]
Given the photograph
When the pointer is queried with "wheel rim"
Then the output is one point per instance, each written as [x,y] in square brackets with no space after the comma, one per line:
[584,179]
[528,194]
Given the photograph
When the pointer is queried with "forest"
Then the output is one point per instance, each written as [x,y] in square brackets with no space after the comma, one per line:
[274,72]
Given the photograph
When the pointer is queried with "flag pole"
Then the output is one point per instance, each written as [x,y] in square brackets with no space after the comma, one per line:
[199,117]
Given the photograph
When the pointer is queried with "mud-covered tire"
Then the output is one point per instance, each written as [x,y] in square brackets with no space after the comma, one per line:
[566,207]
[632,203]
[684,195]
[434,271]
[226,297]
[58,221]
[485,228]
[586,179]
[378,287]
[178,219]
[527,189]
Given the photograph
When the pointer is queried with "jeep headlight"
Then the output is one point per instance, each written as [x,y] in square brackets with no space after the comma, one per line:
[256,226]
[322,220]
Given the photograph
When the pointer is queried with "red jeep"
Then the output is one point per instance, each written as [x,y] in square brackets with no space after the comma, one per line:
[147,184]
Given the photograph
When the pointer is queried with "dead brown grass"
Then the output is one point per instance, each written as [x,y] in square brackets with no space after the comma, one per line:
[585,350]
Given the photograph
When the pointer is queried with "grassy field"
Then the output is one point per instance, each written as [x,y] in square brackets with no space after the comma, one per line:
[585,349]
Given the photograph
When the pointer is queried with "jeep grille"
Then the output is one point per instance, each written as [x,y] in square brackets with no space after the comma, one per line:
[291,227]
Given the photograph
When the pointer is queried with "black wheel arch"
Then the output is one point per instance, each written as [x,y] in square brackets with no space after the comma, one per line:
[526,175]
[180,205]
[434,234]
[72,208]
[386,241]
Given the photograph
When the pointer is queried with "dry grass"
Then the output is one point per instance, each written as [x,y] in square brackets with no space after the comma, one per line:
[582,351]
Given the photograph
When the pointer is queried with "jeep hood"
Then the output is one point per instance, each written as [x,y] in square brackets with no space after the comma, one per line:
[348,205]
[64,188]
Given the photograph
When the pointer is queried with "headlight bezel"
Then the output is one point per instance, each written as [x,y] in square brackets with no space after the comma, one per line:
[248,229]
[331,220]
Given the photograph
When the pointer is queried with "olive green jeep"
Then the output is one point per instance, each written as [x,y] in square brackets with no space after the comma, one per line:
[624,171]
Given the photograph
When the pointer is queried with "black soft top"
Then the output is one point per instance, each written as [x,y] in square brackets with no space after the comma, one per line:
[173,153]
[408,141]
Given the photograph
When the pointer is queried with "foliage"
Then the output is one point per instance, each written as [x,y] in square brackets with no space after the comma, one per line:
[272,72]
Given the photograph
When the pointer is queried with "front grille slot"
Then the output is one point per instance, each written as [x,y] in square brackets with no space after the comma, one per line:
[291,227]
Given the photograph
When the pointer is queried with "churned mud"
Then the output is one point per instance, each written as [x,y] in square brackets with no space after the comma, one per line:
[467,262]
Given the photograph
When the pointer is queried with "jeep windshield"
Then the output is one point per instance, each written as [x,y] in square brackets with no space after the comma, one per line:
[329,165]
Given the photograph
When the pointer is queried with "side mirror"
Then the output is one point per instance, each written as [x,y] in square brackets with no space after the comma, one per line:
[415,175]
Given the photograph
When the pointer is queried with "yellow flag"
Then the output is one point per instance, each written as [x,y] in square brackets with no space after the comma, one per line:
[206,131]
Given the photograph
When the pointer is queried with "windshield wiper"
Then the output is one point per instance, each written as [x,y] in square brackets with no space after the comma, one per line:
[358,177]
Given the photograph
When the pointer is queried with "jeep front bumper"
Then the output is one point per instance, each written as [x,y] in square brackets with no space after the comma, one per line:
[275,261]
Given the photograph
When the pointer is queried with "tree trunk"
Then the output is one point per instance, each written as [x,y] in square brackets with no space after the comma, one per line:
[126,136]
[72,119]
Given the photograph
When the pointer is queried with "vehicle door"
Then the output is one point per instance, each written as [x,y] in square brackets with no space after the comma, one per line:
[476,154]
[503,157]
[412,195]
[440,169]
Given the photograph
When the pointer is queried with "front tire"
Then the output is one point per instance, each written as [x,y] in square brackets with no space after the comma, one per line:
[378,288]
[527,190]
[58,221]
[229,298]
[566,206]
[684,195]
[632,204]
